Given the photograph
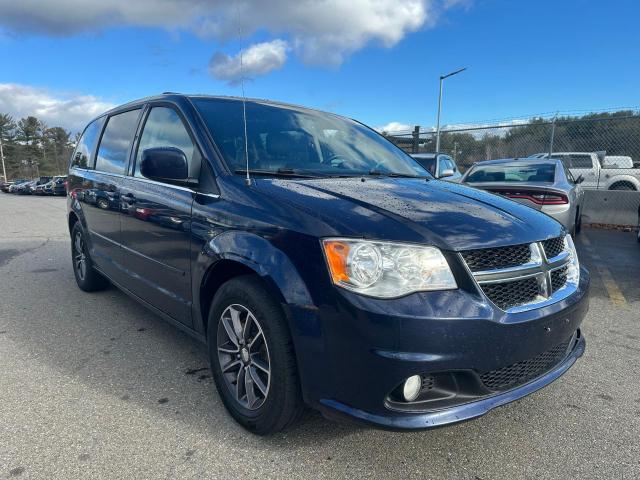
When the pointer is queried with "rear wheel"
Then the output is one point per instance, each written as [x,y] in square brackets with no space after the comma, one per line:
[578,225]
[87,278]
[252,357]
[622,186]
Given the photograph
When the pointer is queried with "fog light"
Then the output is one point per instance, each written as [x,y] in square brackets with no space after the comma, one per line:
[411,388]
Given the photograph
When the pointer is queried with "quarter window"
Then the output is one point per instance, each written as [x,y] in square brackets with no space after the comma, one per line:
[164,128]
[116,142]
[82,156]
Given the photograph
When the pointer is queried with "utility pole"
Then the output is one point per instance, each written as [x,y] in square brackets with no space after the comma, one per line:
[442,77]
[553,135]
[4,170]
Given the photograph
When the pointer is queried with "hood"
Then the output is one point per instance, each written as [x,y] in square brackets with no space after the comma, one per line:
[444,214]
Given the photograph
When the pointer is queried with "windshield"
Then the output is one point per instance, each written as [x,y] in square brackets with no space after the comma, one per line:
[285,139]
[544,172]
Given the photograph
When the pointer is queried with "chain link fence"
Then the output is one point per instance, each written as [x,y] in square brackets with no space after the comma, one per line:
[604,148]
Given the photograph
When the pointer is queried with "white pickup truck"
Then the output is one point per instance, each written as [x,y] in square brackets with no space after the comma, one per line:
[597,173]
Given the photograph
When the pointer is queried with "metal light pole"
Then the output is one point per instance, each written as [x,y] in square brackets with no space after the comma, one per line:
[442,77]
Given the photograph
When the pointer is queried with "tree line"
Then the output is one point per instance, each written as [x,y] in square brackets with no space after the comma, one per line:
[31,148]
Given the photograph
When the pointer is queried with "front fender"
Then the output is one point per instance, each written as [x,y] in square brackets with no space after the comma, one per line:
[259,255]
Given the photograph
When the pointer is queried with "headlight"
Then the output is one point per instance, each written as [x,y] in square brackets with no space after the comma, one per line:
[386,270]
[573,269]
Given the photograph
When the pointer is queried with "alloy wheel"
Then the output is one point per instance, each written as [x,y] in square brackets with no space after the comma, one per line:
[79,257]
[243,355]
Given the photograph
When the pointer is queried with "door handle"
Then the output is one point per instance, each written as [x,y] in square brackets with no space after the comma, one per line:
[129,198]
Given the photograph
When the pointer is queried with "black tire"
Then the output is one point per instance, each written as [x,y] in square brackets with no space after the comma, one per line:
[578,225]
[87,278]
[282,404]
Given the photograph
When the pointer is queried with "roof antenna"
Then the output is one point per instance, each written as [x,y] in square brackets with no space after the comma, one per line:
[247,179]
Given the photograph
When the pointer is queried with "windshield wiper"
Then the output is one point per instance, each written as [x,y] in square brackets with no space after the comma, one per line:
[378,173]
[280,172]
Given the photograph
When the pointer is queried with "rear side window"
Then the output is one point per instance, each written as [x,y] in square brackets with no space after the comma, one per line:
[87,145]
[164,128]
[116,142]
[581,161]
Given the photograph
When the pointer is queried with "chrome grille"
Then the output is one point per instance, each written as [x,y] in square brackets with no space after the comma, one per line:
[511,294]
[558,278]
[501,257]
[521,277]
[553,247]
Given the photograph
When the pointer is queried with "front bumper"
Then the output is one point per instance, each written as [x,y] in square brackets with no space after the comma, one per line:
[460,413]
[354,354]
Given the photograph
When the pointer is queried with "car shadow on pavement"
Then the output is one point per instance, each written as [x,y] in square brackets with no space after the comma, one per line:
[124,353]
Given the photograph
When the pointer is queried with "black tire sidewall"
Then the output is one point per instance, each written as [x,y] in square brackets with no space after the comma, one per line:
[92,280]
[248,292]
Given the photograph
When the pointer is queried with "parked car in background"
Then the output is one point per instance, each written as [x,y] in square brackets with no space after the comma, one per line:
[33,186]
[15,184]
[597,175]
[321,264]
[59,185]
[544,184]
[24,188]
[4,186]
[47,188]
[440,165]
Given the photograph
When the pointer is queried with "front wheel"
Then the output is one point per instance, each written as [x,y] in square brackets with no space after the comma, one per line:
[252,357]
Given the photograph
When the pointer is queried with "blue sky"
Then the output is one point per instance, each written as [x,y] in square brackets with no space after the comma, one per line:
[523,58]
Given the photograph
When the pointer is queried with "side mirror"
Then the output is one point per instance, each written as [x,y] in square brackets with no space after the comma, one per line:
[579,180]
[446,173]
[168,164]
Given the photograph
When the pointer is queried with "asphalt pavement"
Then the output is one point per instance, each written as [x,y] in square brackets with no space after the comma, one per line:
[95,386]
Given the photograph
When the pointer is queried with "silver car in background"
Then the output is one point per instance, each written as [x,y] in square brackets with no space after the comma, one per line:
[544,184]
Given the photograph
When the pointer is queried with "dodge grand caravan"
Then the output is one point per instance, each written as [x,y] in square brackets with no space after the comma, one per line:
[321,265]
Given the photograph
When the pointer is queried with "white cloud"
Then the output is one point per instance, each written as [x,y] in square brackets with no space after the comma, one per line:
[67,17]
[322,32]
[258,59]
[66,110]
[319,31]
[395,127]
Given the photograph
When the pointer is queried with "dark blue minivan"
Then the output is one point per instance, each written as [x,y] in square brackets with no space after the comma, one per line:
[321,265]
